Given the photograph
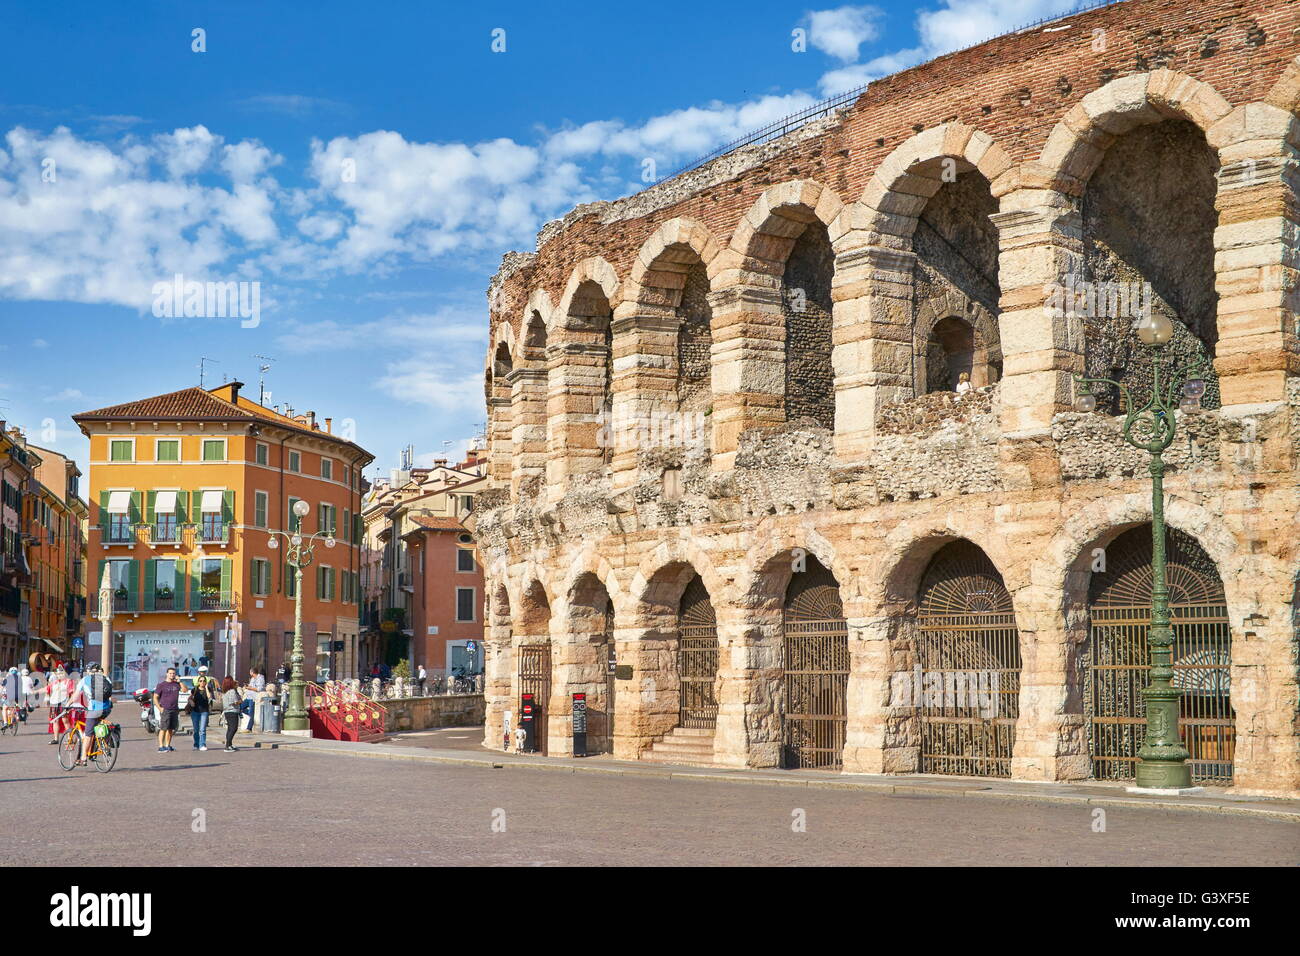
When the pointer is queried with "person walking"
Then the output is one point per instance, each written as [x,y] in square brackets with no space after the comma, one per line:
[230,711]
[200,706]
[256,684]
[57,694]
[421,677]
[167,700]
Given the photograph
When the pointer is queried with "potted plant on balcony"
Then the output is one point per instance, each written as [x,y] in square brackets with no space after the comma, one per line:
[162,595]
[209,595]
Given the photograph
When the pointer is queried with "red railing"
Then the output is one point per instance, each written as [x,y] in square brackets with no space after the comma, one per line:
[336,713]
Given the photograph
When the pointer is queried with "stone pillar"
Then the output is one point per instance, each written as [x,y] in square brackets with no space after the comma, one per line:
[749,686]
[645,373]
[500,454]
[1257,259]
[499,694]
[748,359]
[575,396]
[528,432]
[647,704]
[872,352]
[871,709]
[1051,734]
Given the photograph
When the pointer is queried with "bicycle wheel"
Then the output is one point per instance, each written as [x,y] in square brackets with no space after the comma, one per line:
[105,755]
[69,748]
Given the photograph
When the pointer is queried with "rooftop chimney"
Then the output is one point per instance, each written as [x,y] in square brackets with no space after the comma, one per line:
[311,420]
[235,386]
[329,425]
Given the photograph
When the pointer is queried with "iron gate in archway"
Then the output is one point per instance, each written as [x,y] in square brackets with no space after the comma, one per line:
[535,678]
[968,651]
[697,657]
[603,723]
[1118,658]
[815,658]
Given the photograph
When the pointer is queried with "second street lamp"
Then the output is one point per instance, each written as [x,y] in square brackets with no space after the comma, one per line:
[299,553]
[1162,763]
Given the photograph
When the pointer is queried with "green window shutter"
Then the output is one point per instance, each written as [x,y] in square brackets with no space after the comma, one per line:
[178,591]
[92,591]
[227,510]
[320,583]
[150,580]
[103,511]
[226,568]
[294,520]
[196,508]
[182,506]
[290,581]
[320,517]
[133,585]
[135,507]
[196,578]
[150,509]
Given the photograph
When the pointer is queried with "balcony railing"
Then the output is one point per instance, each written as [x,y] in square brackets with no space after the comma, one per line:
[124,602]
[165,532]
[118,533]
[167,602]
[224,601]
[213,532]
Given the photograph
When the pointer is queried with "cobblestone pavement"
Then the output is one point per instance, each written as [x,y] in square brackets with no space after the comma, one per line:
[294,806]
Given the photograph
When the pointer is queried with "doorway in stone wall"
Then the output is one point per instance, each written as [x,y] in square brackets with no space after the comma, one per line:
[815,662]
[535,679]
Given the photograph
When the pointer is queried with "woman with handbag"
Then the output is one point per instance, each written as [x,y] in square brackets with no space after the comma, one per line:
[230,711]
[57,694]
[199,707]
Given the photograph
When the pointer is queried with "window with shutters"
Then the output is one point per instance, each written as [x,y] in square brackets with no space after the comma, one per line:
[121,576]
[261,453]
[214,449]
[326,468]
[213,507]
[261,501]
[260,576]
[327,518]
[164,586]
[295,523]
[168,449]
[464,559]
[290,580]
[211,591]
[295,461]
[465,604]
[121,449]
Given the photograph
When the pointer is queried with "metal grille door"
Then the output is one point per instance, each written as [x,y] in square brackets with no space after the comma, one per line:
[816,663]
[535,678]
[604,723]
[697,657]
[1118,657]
[968,653]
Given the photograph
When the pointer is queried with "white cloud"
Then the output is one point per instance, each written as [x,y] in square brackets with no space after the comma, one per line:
[963,23]
[435,385]
[840,32]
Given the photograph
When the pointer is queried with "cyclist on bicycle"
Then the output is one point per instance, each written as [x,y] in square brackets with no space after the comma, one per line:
[95,695]
[11,689]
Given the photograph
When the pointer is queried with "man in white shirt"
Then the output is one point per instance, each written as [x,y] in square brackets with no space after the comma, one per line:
[421,677]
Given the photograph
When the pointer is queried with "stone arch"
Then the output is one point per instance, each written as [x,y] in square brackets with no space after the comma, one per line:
[587,646]
[985,361]
[763,238]
[1077,143]
[910,175]
[659,581]
[592,269]
[674,242]
[1285,93]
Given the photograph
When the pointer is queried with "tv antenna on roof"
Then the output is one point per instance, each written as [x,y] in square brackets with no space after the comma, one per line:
[202,362]
[261,377]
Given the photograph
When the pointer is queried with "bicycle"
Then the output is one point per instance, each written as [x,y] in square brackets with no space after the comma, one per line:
[101,751]
[9,722]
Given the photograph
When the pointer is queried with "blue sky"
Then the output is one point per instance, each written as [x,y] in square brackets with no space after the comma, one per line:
[365,164]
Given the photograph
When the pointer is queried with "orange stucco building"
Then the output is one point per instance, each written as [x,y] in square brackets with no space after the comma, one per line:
[184,490]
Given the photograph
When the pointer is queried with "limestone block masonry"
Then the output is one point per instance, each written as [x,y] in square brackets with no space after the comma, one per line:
[738,558]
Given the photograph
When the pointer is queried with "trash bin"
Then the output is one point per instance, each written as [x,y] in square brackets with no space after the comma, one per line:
[267,716]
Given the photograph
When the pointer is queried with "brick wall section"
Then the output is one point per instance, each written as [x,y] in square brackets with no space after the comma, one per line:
[981,87]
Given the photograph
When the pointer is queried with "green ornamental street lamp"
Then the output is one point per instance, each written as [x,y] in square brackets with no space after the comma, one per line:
[299,554]
[1163,758]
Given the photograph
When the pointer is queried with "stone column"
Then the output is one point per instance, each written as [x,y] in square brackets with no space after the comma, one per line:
[748,359]
[749,685]
[528,432]
[871,734]
[872,352]
[647,704]
[645,374]
[499,694]
[1257,262]
[575,395]
[500,454]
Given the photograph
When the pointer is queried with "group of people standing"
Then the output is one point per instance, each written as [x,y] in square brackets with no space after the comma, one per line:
[235,703]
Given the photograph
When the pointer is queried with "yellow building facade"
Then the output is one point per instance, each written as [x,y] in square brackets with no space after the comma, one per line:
[185,489]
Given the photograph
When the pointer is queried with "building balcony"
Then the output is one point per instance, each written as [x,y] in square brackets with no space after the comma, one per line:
[165,533]
[213,532]
[212,601]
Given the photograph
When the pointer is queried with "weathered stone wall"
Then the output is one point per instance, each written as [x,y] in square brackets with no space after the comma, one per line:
[1075,160]
[424,713]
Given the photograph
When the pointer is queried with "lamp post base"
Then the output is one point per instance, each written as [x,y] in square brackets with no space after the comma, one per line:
[1162,775]
[1166,791]
[296,733]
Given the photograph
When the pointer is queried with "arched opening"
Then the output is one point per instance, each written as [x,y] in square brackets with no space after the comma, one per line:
[965,684]
[1148,245]
[531,434]
[1117,658]
[534,663]
[591,621]
[591,344]
[806,303]
[697,658]
[502,363]
[956,278]
[695,344]
[535,336]
[815,669]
